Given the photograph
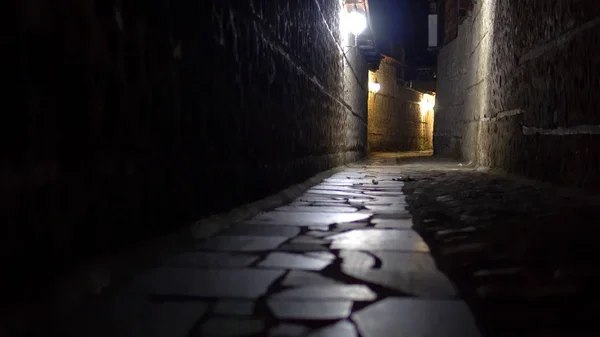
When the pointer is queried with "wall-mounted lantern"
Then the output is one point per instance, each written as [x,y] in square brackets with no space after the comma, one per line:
[374,86]
[355,22]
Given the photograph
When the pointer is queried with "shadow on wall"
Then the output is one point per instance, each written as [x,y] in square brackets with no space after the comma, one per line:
[400,118]
[144,116]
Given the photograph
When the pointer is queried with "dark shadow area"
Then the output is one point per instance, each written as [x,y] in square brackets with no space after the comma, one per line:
[522,254]
[136,119]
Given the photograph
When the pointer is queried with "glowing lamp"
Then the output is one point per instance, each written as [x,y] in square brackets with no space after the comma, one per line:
[374,87]
[355,23]
[427,103]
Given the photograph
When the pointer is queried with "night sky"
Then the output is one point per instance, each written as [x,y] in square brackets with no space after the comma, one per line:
[403,22]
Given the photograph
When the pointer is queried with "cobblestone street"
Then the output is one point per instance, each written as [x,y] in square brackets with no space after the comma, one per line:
[523,254]
[358,255]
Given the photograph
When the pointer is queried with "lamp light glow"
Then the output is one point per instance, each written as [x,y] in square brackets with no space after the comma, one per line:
[374,87]
[427,103]
[355,23]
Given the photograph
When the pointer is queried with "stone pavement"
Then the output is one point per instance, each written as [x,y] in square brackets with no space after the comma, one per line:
[340,260]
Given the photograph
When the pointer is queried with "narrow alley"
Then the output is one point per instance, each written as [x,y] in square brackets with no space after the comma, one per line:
[314,168]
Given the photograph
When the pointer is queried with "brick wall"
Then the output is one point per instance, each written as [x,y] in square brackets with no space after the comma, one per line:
[516,90]
[142,116]
[395,119]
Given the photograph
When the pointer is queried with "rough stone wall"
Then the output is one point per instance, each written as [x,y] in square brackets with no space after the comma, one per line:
[395,119]
[516,90]
[144,115]
[451,8]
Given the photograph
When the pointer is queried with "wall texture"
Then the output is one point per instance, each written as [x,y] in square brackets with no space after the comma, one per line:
[516,90]
[396,122]
[451,8]
[144,115]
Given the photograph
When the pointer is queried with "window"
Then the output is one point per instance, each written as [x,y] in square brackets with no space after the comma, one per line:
[433,30]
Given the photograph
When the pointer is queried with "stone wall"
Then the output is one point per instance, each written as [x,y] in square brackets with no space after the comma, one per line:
[133,118]
[516,90]
[450,20]
[396,122]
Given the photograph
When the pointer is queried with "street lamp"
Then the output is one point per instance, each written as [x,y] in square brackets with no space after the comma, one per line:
[356,22]
[374,86]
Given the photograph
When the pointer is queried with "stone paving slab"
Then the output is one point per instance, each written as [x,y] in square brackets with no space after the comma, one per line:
[283,260]
[416,317]
[262,230]
[378,200]
[379,239]
[393,223]
[353,292]
[389,209]
[345,249]
[309,240]
[298,278]
[350,225]
[318,310]
[339,329]
[411,283]
[211,283]
[288,330]
[306,219]
[318,208]
[406,261]
[335,193]
[355,259]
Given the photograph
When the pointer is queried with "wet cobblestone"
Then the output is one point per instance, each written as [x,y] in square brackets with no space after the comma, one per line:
[523,255]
